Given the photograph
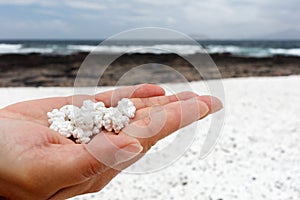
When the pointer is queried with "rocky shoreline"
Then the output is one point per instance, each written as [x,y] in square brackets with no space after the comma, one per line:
[34,70]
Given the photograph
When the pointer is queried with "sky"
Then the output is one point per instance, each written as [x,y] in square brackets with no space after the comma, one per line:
[90,19]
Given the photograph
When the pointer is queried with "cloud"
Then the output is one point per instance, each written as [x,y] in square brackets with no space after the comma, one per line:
[18,2]
[49,12]
[162,3]
[84,5]
[38,28]
[27,2]
[88,5]
[215,18]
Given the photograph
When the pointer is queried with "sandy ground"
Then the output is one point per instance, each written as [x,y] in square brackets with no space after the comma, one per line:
[257,156]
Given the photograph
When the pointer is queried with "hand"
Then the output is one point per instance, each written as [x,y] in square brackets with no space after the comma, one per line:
[38,163]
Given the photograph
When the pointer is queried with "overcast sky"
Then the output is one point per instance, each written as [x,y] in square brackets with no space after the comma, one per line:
[67,19]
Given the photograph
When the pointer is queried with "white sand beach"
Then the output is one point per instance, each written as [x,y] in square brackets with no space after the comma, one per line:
[257,156]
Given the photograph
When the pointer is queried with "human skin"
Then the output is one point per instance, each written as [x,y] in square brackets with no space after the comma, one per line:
[38,163]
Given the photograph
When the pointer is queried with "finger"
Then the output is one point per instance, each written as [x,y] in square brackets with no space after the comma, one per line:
[35,110]
[161,100]
[214,104]
[144,106]
[81,162]
[110,98]
[121,148]
[164,120]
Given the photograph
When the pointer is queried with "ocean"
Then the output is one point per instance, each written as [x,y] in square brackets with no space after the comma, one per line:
[245,48]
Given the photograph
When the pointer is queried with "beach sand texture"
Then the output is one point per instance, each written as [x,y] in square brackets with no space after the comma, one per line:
[257,156]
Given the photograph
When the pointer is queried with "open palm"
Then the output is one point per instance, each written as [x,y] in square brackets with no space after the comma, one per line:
[38,163]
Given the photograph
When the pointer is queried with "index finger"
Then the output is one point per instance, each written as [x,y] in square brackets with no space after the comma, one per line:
[35,110]
[111,98]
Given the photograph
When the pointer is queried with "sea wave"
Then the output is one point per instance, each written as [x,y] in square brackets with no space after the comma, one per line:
[155,49]
[247,51]
[288,52]
[20,49]
[10,48]
[253,51]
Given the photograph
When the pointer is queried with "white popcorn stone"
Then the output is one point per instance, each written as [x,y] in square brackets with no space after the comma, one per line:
[85,122]
[126,107]
[114,120]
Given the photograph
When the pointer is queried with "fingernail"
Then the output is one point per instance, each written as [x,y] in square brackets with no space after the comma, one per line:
[204,110]
[196,107]
[213,103]
[128,153]
[216,105]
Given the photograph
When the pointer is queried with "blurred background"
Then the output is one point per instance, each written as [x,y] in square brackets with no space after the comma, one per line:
[43,43]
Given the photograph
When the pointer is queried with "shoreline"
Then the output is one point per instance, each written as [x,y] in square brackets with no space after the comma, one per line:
[34,70]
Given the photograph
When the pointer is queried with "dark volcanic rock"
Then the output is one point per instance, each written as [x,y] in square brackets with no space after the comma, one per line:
[61,70]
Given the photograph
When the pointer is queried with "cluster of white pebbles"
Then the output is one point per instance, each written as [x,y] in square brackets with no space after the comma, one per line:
[93,117]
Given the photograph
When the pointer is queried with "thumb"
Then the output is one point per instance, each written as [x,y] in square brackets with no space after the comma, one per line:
[112,150]
[81,162]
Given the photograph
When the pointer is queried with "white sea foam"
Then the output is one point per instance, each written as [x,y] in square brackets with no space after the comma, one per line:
[181,49]
[288,52]
[10,48]
[19,49]
[86,48]
[155,49]
[252,51]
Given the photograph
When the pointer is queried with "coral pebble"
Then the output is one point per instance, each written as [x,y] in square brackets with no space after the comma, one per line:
[85,122]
